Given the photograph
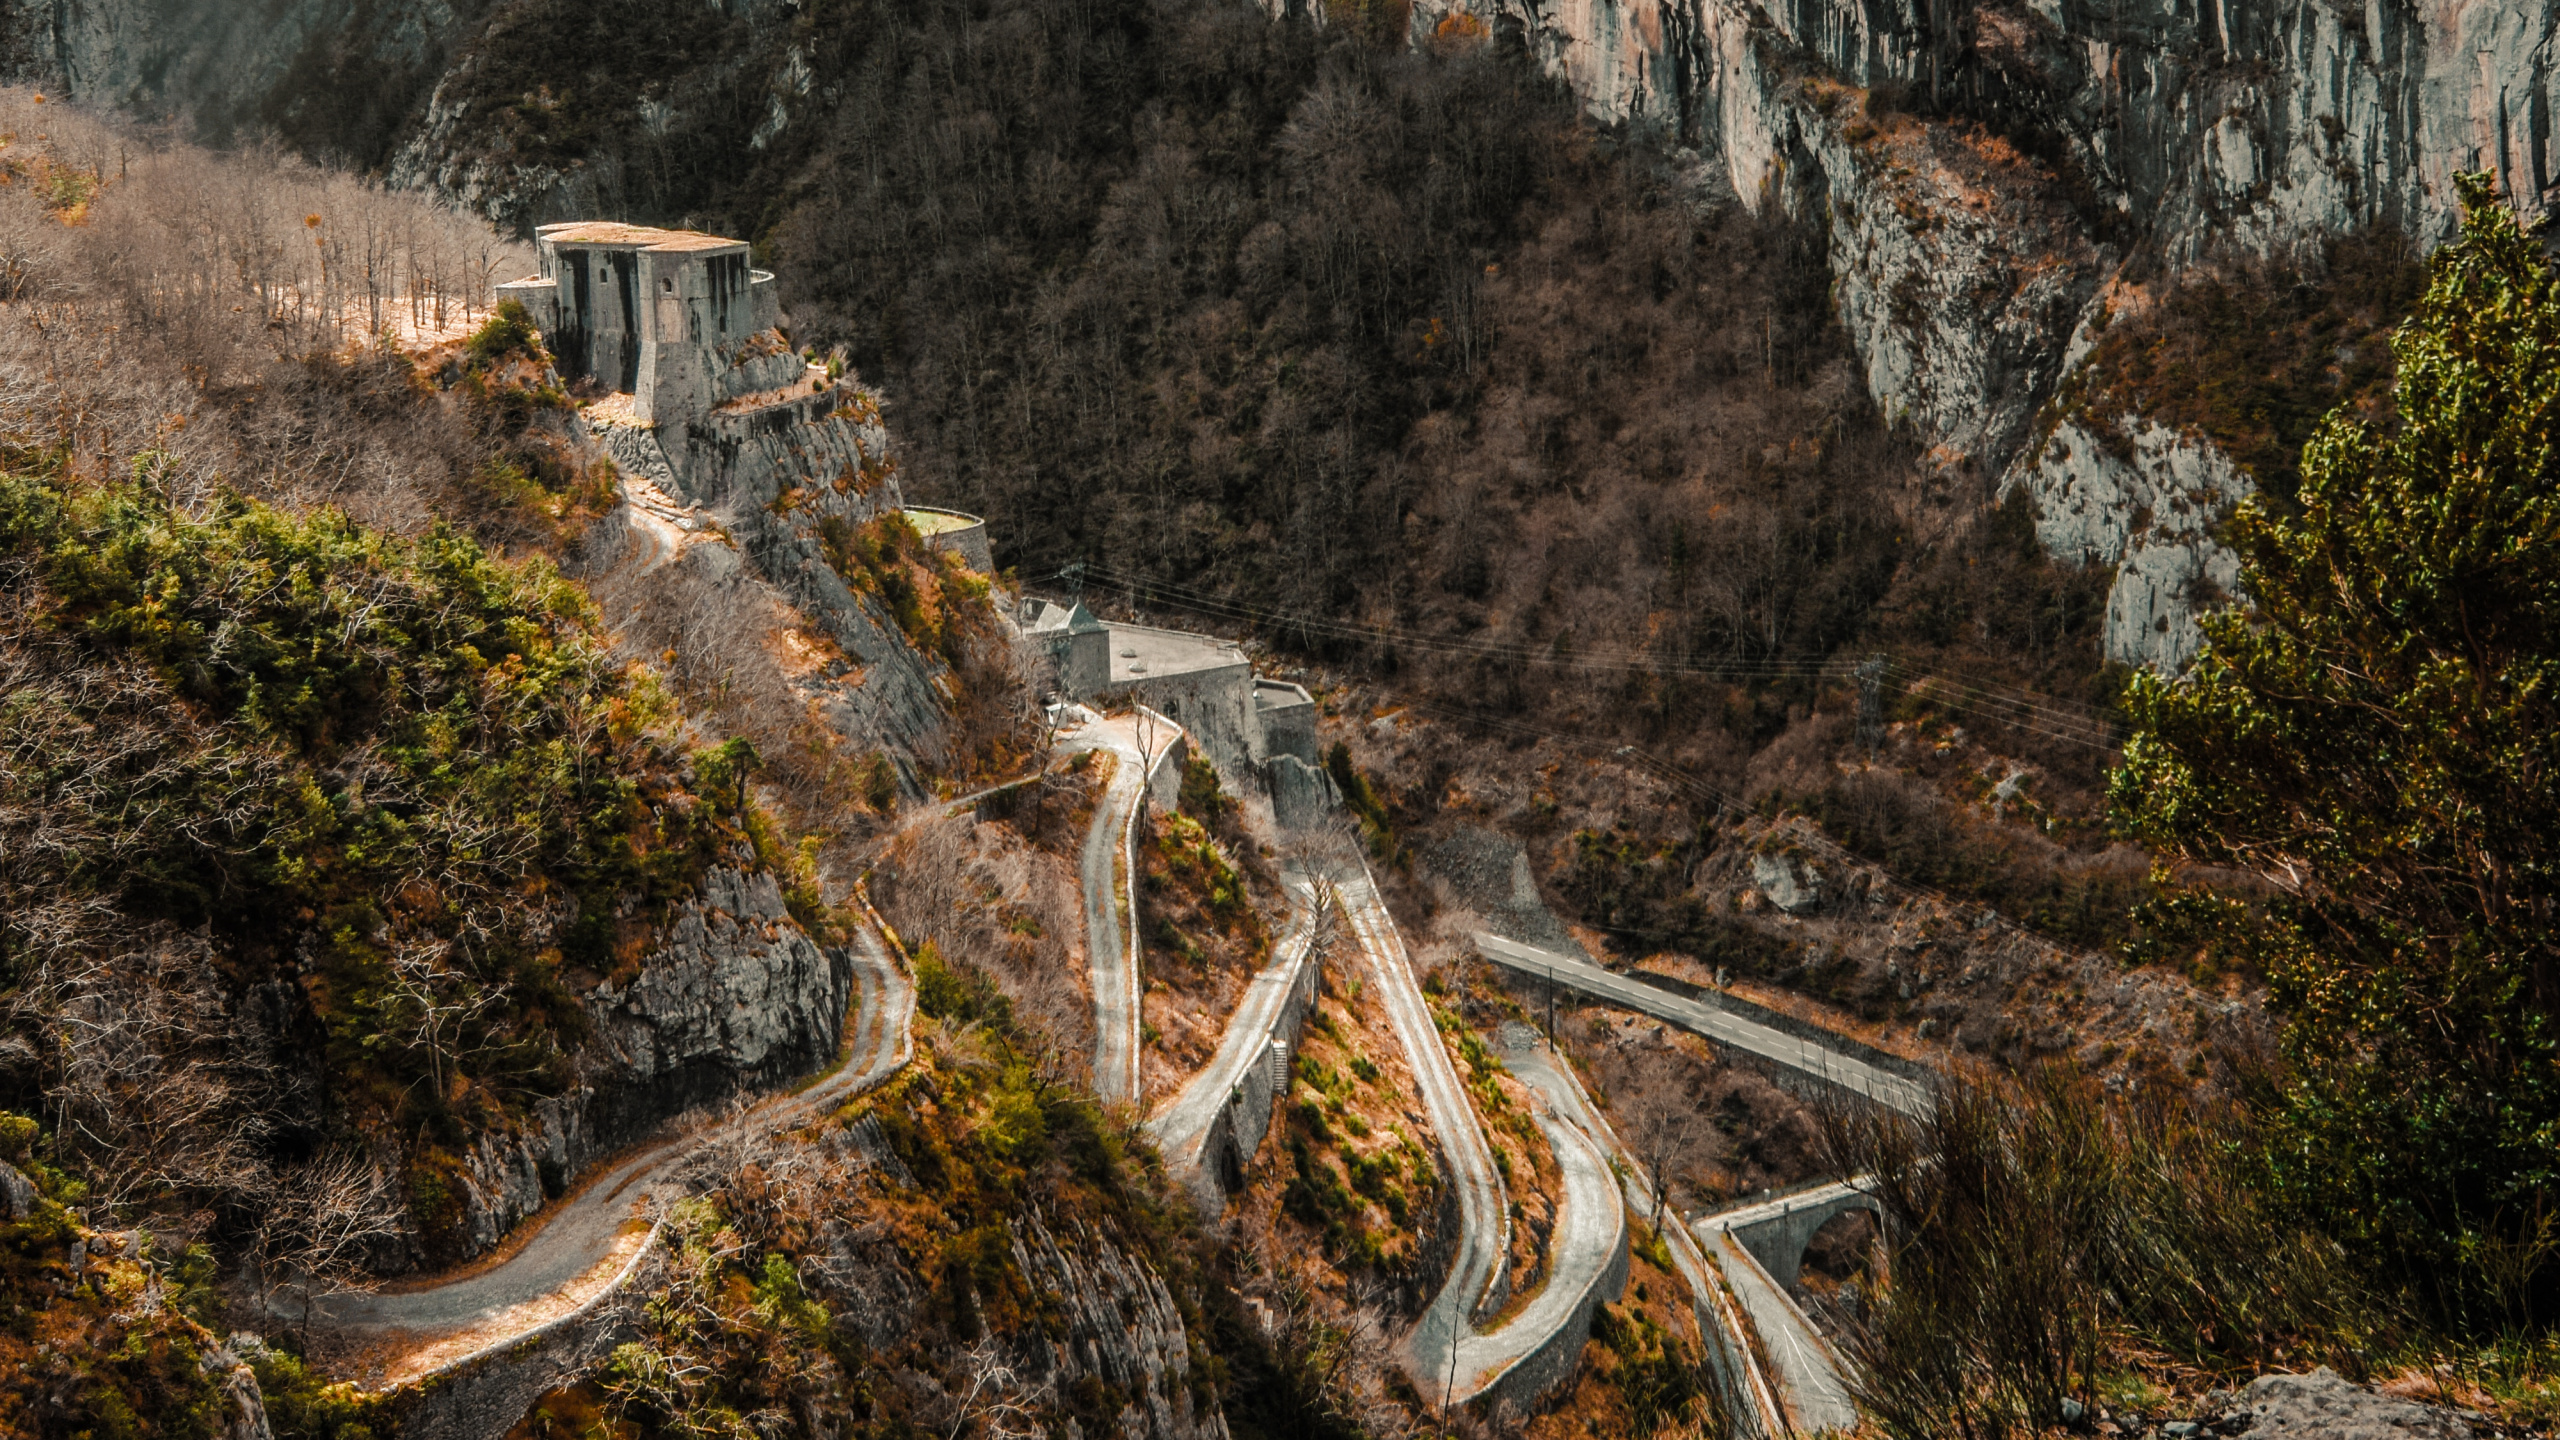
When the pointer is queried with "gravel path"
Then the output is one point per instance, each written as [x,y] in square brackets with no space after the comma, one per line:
[572,1250]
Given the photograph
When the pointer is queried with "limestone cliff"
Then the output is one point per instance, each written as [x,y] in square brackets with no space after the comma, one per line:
[338,76]
[1983,168]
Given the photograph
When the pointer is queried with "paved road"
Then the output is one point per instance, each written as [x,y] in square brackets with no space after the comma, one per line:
[1182,1122]
[1847,1072]
[565,1257]
[1808,1374]
[1108,869]
[1590,1233]
[1473,1269]
[1712,1307]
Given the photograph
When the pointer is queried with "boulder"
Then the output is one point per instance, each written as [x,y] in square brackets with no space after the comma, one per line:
[1785,883]
[17,1193]
[2325,1406]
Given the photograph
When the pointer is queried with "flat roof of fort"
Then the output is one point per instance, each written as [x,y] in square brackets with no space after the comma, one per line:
[637,237]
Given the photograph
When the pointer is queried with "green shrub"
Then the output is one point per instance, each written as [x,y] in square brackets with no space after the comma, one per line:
[332,746]
[509,332]
[2373,740]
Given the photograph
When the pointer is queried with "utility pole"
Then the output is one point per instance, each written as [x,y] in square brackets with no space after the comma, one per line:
[1551,1007]
[1870,674]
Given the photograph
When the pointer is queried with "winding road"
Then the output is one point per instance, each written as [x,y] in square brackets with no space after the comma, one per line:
[1589,1245]
[1434,1353]
[1181,1124]
[1108,869]
[1805,1392]
[583,1244]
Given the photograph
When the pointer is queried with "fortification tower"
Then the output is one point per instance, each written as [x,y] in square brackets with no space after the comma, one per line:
[675,318]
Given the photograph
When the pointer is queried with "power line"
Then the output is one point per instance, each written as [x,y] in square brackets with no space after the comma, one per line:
[2047,716]
[1689,784]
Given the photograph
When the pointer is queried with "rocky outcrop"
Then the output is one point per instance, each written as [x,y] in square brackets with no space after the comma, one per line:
[17,1194]
[2324,1406]
[1787,883]
[1121,1328]
[737,996]
[340,73]
[772,479]
[244,1405]
[2144,499]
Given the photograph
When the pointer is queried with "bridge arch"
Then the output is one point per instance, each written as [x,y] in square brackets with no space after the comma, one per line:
[1778,1231]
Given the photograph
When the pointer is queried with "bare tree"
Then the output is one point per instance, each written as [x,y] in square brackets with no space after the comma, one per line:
[322,1228]
[1004,1405]
[435,1002]
[1662,1125]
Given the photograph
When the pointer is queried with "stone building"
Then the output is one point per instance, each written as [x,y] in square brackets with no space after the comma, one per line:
[709,397]
[676,319]
[1248,725]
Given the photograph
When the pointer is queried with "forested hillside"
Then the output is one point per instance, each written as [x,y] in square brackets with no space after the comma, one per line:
[1976,537]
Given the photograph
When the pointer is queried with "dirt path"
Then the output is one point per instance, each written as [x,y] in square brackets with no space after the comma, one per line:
[582,1244]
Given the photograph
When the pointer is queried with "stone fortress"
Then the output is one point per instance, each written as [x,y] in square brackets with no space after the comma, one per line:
[1248,725]
[709,408]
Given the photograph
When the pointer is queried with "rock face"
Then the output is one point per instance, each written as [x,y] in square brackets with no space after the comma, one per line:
[829,453]
[2142,498]
[1122,1328]
[737,997]
[1967,269]
[340,72]
[1787,883]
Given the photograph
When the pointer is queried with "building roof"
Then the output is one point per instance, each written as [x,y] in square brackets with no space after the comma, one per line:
[638,237]
[1045,615]
[1270,694]
[1141,652]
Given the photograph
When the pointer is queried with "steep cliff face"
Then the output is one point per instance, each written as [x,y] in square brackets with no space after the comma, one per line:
[736,997]
[1982,168]
[333,76]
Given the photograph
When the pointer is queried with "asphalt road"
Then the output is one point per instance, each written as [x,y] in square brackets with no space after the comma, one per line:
[568,1245]
[1106,871]
[1846,1072]
[1429,1350]
[1591,1228]
[1808,1374]
[1182,1122]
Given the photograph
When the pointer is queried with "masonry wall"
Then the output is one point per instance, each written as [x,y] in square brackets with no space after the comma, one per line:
[1546,1369]
[1244,1122]
[1216,706]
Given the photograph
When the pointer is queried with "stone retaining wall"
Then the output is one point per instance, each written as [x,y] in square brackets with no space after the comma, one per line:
[1244,1122]
[1548,1367]
[488,1394]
